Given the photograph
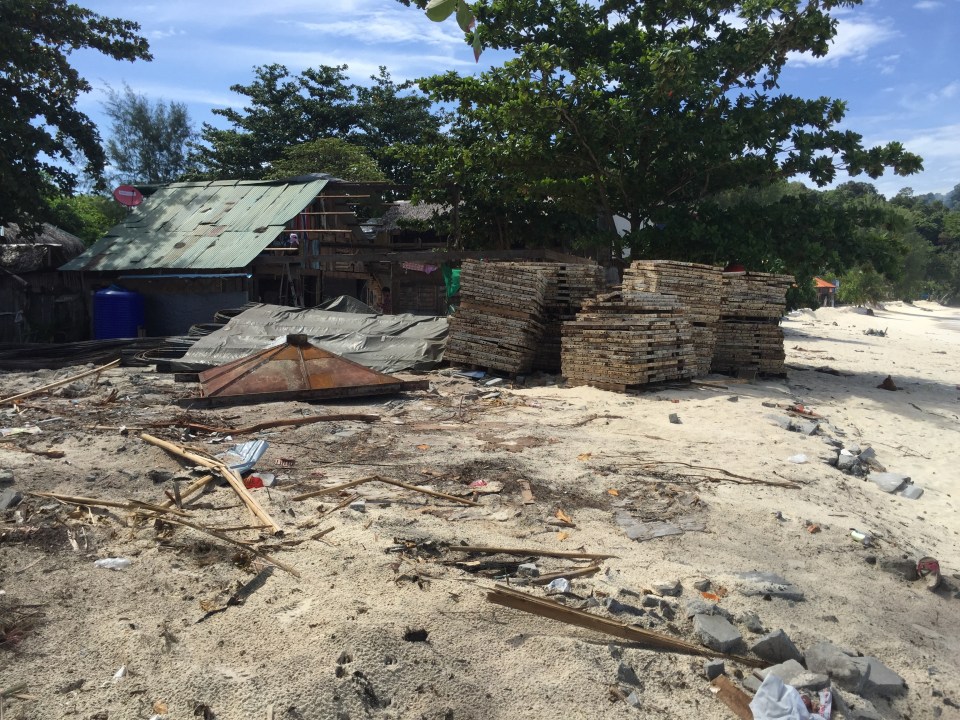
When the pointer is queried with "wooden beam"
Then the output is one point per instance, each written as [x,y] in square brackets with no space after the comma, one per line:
[58,383]
[523,552]
[508,597]
[733,697]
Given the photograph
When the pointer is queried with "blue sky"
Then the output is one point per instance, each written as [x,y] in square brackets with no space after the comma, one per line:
[895,62]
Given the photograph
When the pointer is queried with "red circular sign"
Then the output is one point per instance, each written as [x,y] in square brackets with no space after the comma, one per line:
[128,195]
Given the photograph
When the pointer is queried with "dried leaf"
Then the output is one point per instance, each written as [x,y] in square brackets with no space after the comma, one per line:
[160,707]
[561,536]
[583,457]
[613,492]
[561,515]
[711,596]
[721,591]
[423,447]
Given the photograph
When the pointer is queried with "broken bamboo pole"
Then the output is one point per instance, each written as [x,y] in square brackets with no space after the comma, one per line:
[191,489]
[528,551]
[388,481]
[215,533]
[571,573]
[333,488]
[508,597]
[96,502]
[58,383]
[231,476]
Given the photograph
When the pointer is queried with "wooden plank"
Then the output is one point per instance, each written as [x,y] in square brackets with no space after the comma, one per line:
[733,697]
[58,383]
[508,597]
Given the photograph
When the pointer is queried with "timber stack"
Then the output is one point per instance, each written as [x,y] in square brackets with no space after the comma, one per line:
[696,286]
[498,324]
[749,334]
[568,286]
[617,343]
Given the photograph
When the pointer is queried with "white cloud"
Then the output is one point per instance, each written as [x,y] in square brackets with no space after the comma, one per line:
[888,64]
[389,28]
[940,149]
[947,92]
[928,5]
[854,41]
[163,34]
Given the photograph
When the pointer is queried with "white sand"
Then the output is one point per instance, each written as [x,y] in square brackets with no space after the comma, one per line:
[330,643]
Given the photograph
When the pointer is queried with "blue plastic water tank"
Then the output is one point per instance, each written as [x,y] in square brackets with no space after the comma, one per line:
[117,313]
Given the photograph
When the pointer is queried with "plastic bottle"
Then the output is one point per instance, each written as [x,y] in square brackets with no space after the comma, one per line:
[112,563]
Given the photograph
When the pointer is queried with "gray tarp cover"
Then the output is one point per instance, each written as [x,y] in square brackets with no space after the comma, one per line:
[388,343]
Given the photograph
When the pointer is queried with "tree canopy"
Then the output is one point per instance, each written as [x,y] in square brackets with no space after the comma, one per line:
[636,109]
[42,133]
[148,141]
[330,155]
[286,110]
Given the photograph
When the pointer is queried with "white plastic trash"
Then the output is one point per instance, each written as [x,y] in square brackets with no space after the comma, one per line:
[560,585]
[776,701]
[798,459]
[112,563]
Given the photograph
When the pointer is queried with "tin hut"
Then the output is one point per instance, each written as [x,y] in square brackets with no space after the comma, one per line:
[38,304]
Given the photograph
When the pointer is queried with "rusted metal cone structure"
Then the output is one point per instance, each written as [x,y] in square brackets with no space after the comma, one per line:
[295,370]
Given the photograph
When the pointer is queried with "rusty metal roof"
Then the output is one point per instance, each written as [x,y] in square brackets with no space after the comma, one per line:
[201,225]
[294,370]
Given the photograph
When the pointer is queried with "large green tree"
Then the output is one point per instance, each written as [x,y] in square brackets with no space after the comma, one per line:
[329,155]
[42,133]
[638,109]
[285,111]
[148,141]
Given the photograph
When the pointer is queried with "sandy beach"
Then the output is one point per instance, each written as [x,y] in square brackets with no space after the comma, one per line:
[553,469]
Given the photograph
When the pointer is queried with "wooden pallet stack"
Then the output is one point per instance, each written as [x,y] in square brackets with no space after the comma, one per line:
[568,286]
[617,343]
[696,286]
[749,334]
[499,322]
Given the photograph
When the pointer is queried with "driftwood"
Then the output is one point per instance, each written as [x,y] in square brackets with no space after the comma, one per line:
[728,476]
[547,608]
[570,573]
[245,546]
[388,481]
[231,476]
[523,552]
[176,519]
[132,505]
[733,697]
[281,423]
[58,383]
[55,454]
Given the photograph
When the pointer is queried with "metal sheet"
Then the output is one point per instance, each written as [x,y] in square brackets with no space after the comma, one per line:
[388,343]
[294,370]
[210,225]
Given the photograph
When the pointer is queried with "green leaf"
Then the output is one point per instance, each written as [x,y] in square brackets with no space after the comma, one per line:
[465,18]
[477,46]
[440,10]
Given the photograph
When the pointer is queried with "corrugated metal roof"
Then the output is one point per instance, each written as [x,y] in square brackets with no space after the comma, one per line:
[201,226]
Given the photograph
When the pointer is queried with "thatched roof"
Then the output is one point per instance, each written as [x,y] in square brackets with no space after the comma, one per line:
[401,215]
[50,249]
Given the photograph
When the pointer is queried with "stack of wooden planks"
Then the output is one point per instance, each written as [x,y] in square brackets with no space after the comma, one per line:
[617,343]
[696,286]
[499,322]
[568,286]
[749,334]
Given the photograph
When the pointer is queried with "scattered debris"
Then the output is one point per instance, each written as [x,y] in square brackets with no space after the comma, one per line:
[888,384]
